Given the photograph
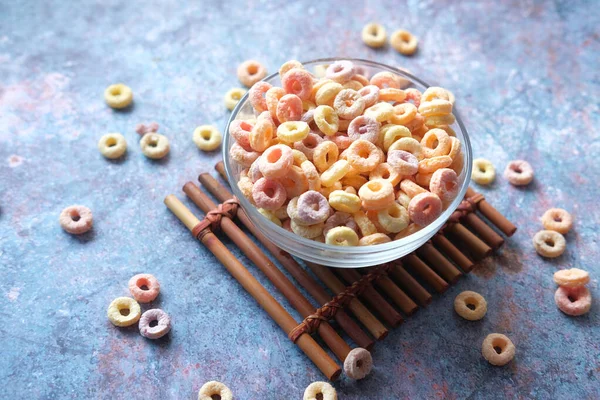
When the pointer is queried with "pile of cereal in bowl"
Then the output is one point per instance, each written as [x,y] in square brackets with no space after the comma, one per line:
[347,159]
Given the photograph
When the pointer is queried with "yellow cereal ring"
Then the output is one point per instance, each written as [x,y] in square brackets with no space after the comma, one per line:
[335,173]
[292,131]
[364,223]
[309,232]
[455,148]
[289,65]
[327,93]
[270,216]
[112,145]
[308,105]
[376,194]
[386,172]
[484,172]
[435,107]
[394,218]
[210,390]
[207,137]
[299,157]
[381,112]
[404,42]
[312,175]
[403,113]
[412,228]
[118,96]
[318,85]
[343,201]
[438,120]
[407,144]
[355,181]
[391,133]
[403,199]
[354,85]
[430,165]
[392,94]
[436,142]
[324,155]
[434,93]
[374,35]
[341,236]
[327,120]
[154,146]
[124,311]
[373,239]
[326,191]
[233,96]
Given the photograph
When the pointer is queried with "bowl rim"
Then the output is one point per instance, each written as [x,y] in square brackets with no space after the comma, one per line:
[253,213]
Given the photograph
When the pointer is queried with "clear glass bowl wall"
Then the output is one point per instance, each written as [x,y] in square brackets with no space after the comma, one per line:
[338,256]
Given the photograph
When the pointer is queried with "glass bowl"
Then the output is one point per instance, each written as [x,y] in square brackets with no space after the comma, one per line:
[339,256]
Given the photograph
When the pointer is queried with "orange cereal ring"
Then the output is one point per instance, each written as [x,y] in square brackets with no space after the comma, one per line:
[394,218]
[404,42]
[76,219]
[573,301]
[436,142]
[324,155]
[354,85]
[376,194]
[144,287]
[412,228]
[355,181]
[348,104]
[373,239]
[497,349]
[276,161]
[361,79]
[364,156]
[470,305]
[424,208]
[256,95]
[326,119]
[385,80]
[413,95]
[455,148]
[272,98]
[312,175]
[294,182]
[240,130]
[249,72]
[386,172]
[299,82]
[392,94]
[403,113]
[262,133]
[434,93]
[557,219]
[364,223]
[444,183]
[549,244]
[435,107]
[411,188]
[571,277]
[432,164]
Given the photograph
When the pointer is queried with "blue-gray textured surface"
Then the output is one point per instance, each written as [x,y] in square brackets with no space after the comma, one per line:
[525,74]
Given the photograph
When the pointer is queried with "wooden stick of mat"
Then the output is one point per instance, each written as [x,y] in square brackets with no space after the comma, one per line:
[279,280]
[353,330]
[427,274]
[442,243]
[472,243]
[389,287]
[285,321]
[493,215]
[361,312]
[483,230]
[439,263]
[409,284]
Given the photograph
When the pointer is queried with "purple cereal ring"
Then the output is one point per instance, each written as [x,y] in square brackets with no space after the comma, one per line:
[313,208]
[358,363]
[268,194]
[444,183]
[276,161]
[403,162]
[365,128]
[573,301]
[340,218]
[299,82]
[144,287]
[257,96]
[308,117]
[289,108]
[424,208]
[348,104]
[518,173]
[308,144]
[240,130]
[155,323]
[370,95]
[340,71]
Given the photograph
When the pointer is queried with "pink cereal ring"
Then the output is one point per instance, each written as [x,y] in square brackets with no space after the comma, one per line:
[341,140]
[348,104]
[268,194]
[257,96]
[573,301]
[276,161]
[403,162]
[340,218]
[413,96]
[444,183]
[424,208]
[340,71]
[240,130]
[519,173]
[308,144]
[295,182]
[242,156]
[144,287]
[313,208]
[370,95]
[254,171]
[289,108]
[365,128]
[299,82]
[272,98]
[76,219]
[385,80]
[154,331]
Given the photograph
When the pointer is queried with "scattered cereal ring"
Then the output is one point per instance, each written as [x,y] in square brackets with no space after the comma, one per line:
[358,363]
[403,162]
[549,244]
[289,108]
[313,208]
[373,239]
[118,96]
[339,219]
[573,301]
[207,137]
[484,172]
[497,349]
[518,173]
[124,311]
[374,35]
[299,82]
[144,287]
[444,183]
[571,277]
[214,388]
[340,71]
[424,208]
[341,236]
[257,96]
[557,219]
[276,161]
[319,391]
[233,97]
[376,194]
[404,42]
[249,72]
[365,128]
[268,194]
[76,219]
[394,218]
[348,104]
[154,323]
[112,145]
[154,146]
[470,305]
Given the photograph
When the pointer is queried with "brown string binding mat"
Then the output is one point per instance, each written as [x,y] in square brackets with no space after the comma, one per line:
[386,290]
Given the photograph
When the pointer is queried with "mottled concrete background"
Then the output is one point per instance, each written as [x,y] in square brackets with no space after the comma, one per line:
[526,76]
